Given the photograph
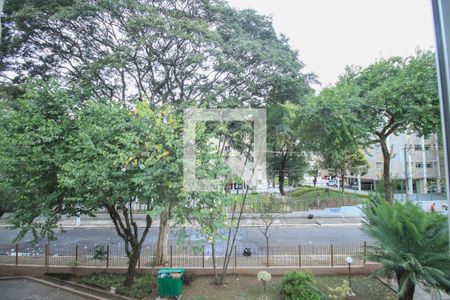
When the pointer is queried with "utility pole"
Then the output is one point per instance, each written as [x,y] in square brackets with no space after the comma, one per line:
[425,175]
[407,164]
[438,163]
[406,172]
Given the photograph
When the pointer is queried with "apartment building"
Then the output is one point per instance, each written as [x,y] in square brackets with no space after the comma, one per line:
[416,162]
[252,174]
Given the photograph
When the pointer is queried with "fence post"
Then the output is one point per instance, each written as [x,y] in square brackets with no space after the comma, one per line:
[171,256]
[76,252]
[235,256]
[107,256]
[300,255]
[365,252]
[203,257]
[332,256]
[17,254]
[46,255]
[267,255]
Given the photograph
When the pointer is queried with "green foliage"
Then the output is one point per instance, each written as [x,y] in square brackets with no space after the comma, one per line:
[400,93]
[299,286]
[340,292]
[413,244]
[73,264]
[162,54]
[143,284]
[286,157]
[333,131]
[35,130]
[99,253]
[188,277]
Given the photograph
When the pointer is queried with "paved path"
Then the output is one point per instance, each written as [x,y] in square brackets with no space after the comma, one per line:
[24,289]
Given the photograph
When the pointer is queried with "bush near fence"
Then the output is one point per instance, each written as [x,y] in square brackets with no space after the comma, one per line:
[185,257]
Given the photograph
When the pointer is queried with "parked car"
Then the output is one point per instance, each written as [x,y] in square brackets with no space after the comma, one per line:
[332,182]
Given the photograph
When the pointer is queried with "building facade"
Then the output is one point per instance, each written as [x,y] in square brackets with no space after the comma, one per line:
[416,165]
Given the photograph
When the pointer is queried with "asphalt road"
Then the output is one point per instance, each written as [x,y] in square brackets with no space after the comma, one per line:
[250,236]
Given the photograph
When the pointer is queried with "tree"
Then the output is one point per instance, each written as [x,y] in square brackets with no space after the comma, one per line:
[160,51]
[284,143]
[396,95]
[64,159]
[120,156]
[35,128]
[412,244]
[266,215]
[182,52]
[332,130]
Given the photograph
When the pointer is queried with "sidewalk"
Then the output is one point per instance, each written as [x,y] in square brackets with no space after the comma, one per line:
[248,220]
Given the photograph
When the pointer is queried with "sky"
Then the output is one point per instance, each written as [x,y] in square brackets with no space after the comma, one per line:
[330,34]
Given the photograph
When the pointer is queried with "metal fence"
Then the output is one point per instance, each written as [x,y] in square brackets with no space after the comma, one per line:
[114,256]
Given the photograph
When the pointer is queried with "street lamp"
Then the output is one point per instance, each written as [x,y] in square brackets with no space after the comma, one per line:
[349,261]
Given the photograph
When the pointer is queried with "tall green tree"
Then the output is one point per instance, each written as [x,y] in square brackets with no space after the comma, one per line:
[284,143]
[333,131]
[35,128]
[183,52]
[120,156]
[413,245]
[67,160]
[397,95]
[160,51]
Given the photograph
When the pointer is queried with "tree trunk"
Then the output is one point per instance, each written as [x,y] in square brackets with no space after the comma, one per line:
[213,254]
[127,229]
[132,263]
[163,237]
[386,169]
[410,287]
[281,174]
[342,180]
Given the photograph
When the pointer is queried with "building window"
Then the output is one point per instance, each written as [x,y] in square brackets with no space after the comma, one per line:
[251,159]
[419,165]
[379,165]
[227,148]
[429,165]
[418,147]
[428,147]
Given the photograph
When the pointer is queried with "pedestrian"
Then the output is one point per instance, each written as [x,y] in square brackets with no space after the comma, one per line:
[433,207]
[315,181]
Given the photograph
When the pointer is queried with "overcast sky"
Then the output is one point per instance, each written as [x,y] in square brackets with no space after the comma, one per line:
[330,34]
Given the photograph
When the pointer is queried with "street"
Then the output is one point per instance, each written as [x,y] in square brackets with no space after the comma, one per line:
[247,236]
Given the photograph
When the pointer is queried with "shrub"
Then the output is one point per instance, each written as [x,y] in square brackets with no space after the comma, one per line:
[99,253]
[141,288]
[188,277]
[299,286]
[340,292]
[264,276]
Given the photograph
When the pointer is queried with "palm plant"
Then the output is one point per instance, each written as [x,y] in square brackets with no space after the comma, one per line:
[413,245]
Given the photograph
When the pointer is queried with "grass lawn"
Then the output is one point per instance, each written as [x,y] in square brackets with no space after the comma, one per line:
[248,288]
[305,198]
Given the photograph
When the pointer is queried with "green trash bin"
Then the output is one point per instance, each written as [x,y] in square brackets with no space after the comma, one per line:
[170,282]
